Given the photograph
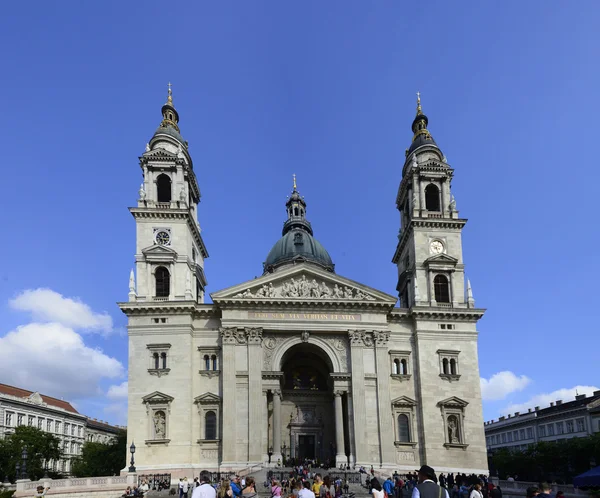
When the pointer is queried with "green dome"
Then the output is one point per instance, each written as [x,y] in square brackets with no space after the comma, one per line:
[297,245]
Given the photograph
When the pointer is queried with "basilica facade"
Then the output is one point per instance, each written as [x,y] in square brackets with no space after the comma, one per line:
[301,362]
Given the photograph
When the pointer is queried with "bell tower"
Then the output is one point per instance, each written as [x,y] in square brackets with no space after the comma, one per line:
[429,250]
[170,252]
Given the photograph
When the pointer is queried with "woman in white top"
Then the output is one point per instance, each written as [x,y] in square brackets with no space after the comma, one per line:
[376,489]
[476,493]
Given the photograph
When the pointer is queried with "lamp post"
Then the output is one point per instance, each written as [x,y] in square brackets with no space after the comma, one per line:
[270,452]
[17,471]
[132,451]
[24,464]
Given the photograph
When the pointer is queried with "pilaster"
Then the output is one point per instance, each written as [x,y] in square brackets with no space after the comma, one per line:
[358,396]
[255,405]
[229,435]
[386,422]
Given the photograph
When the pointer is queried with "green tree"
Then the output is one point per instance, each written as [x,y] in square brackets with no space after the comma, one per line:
[41,448]
[99,459]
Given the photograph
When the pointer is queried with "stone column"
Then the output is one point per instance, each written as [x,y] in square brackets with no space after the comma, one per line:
[255,406]
[386,422]
[228,432]
[359,408]
[276,426]
[339,429]
[265,426]
[352,458]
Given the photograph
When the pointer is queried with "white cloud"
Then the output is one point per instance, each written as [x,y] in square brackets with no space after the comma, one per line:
[47,305]
[501,384]
[118,408]
[53,359]
[117,391]
[543,400]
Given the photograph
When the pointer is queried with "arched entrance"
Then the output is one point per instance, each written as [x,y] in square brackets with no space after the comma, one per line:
[307,404]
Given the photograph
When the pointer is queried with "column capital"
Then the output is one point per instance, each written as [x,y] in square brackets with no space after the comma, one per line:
[276,392]
[338,393]
[232,335]
[381,338]
[254,335]
[356,337]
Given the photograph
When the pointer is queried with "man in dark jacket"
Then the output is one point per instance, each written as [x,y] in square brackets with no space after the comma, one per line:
[427,487]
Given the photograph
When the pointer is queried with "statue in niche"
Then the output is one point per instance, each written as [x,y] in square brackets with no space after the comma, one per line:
[142,192]
[452,205]
[160,425]
[452,430]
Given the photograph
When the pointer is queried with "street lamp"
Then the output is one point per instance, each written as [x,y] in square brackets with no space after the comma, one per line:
[17,471]
[270,452]
[132,451]
[24,464]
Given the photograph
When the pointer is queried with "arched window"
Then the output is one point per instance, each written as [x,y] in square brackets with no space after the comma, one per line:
[441,289]
[210,425]
[156,364]
[163,188]
[396,367]
[295,211]
[453,366]
[163,282]
[445,366]
[432,198]
[403,429]
[214,361]
[403,367]
[163,357]
[206,362]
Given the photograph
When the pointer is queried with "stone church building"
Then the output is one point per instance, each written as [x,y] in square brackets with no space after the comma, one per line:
[301,362]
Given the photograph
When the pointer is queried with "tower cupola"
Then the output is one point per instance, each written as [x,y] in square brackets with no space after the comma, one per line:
[421,135]
[297,243]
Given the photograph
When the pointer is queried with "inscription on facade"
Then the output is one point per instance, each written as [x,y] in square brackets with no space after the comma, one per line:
[344,317]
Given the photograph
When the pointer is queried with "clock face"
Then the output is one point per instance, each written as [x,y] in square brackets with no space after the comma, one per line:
[436,247]
[163,238]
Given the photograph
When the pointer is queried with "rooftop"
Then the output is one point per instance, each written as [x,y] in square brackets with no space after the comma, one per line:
[17,392]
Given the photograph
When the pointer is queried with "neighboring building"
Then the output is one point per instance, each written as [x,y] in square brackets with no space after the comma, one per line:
[301,362]
[21,407]
[578,418]
[97,431]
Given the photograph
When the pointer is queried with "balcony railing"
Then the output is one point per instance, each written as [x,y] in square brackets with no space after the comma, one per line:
[160,298]
[163,205]
[435,215]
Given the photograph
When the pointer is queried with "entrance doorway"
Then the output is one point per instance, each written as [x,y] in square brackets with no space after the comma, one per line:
[306,447]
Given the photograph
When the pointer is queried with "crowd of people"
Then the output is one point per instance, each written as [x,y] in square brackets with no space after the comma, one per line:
[426,484]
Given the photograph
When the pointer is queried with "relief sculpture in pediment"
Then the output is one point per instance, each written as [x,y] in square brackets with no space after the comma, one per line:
[305,288]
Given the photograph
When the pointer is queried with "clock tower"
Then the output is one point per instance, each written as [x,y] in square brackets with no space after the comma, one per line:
[170,251]
[429,251]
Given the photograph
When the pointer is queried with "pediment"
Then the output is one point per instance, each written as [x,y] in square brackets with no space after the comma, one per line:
[300,283]
[404,401]
[159,253]
[157,397]
[159,154]
[207,399]
[35,398]
[441,259]
[454,402]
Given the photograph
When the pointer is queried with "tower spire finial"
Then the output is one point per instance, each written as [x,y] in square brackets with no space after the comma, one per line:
[295,187]
[170,95]
[419,109]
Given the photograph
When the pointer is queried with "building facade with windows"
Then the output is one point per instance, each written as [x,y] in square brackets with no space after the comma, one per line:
[301,362]
[577,418]
[58,417]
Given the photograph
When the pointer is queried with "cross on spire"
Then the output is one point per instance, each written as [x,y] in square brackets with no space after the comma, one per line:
[294,176]
[419,110]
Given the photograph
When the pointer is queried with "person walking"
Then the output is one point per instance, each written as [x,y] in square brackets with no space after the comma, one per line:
[476,492]
[250,490]
[205,490]
[427,487]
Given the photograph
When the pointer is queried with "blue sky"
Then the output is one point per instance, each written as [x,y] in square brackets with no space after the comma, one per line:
[325,90]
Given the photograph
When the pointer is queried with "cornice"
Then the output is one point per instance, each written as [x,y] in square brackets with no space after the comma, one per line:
[173,307]
[458,314]
[173,214]
[444,223]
